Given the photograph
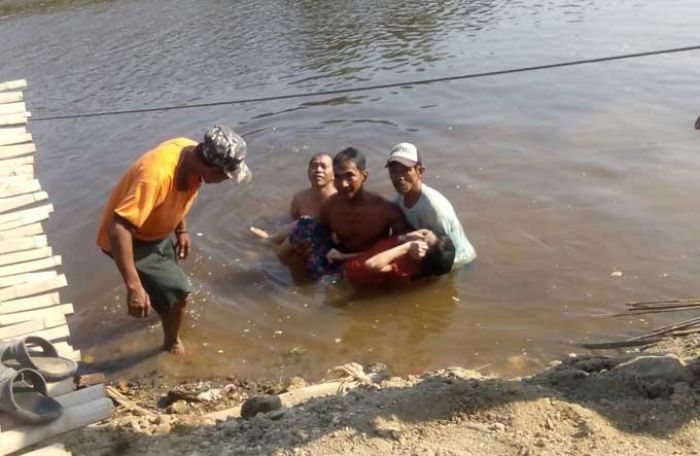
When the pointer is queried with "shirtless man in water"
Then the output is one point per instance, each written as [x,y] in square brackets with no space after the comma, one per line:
[357,217]
[306,203]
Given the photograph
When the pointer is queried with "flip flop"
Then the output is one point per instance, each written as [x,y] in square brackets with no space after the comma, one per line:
[44,358]
[23,394]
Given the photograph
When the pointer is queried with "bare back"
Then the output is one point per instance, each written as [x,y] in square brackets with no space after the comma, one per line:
[359,223]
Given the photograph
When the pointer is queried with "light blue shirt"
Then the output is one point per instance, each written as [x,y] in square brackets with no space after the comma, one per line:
[434,212]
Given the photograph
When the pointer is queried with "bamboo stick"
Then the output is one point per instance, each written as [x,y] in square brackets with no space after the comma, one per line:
[24,231]
[29,266]
[17,150]
[72,418]
[15,119]
[15,202]
[682,325]
[53,334]
[30,277]
[28,186]
[8,319]
[29,289]
[11,97]
[24,214]
[620,344]
[25,304]
[27,255]
[27,160]
[25,170]
[25,243]
[125,402]
[13,85]
[13,108]
[19,138]
[64,349]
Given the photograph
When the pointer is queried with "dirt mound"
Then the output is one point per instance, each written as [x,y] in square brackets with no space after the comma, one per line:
[584,405]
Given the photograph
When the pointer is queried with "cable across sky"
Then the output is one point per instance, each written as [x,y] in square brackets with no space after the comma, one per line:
[372,87]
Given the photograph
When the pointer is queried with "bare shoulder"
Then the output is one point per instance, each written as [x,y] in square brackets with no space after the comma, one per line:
[302,195]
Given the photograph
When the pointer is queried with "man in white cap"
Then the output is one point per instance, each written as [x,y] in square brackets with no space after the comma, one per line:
[423,206]
[149,204]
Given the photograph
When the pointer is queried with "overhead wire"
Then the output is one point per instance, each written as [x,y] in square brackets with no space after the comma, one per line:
[371,87]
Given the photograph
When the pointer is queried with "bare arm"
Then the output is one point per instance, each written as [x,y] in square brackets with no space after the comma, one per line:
[294,208]
[381,262]
[121,241]
[182,248]
[334,255]
[399,225]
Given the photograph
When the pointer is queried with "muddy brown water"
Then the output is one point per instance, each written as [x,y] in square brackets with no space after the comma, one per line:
[560,177]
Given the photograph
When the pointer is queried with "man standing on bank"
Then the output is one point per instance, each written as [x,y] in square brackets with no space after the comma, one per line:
[423,206]
[150,203]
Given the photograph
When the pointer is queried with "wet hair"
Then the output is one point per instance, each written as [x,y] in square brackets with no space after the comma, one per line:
[439,258]
[319,155]
[350,154]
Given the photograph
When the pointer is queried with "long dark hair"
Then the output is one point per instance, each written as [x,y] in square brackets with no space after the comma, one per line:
[439,258]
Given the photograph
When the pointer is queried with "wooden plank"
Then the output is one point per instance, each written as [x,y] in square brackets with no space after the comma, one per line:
[14,119]
[71,418]
[11,97]
[16,139]
[28,230]
[13,131]
[31,277]
[29,289]
[19,188]
[8,204]
[24,214]
[13,108]
[17,150]
[27,255]
[25,170]
[26,328]
[13,85]
[57,449]
[64,349]
[11,162]
[9,319]
[24,243]
[52,334]
[25,304]
[30,266]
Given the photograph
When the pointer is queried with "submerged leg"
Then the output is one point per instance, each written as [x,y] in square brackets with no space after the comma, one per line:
[172,319]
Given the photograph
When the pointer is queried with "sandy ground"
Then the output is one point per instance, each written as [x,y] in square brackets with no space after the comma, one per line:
[643,403]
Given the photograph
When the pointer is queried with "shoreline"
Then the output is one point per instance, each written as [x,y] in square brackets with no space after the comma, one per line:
[624,404]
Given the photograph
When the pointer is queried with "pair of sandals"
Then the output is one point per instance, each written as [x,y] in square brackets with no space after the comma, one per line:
[25,366]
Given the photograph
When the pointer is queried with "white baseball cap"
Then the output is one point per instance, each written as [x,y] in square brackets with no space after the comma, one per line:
[404,153]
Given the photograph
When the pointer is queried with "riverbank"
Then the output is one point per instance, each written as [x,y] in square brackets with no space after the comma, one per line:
[640,403]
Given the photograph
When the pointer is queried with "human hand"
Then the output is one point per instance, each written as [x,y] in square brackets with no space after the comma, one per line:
[417,249]
[182,247]
[137,301]
[417,235]
[333,255]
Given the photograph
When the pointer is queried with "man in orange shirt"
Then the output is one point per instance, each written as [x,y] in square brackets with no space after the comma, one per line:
[150,202]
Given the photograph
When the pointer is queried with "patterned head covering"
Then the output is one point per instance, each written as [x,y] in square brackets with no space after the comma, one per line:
[225,148]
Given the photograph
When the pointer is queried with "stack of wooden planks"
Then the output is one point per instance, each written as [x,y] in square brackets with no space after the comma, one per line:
[30,303]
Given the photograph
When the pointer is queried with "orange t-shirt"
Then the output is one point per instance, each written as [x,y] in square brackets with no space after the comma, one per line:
[147,195]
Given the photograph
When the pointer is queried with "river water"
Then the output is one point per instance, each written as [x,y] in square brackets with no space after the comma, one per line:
[560,177]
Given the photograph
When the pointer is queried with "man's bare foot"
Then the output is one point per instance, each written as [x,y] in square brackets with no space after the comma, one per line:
[262,234]
[177,348]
